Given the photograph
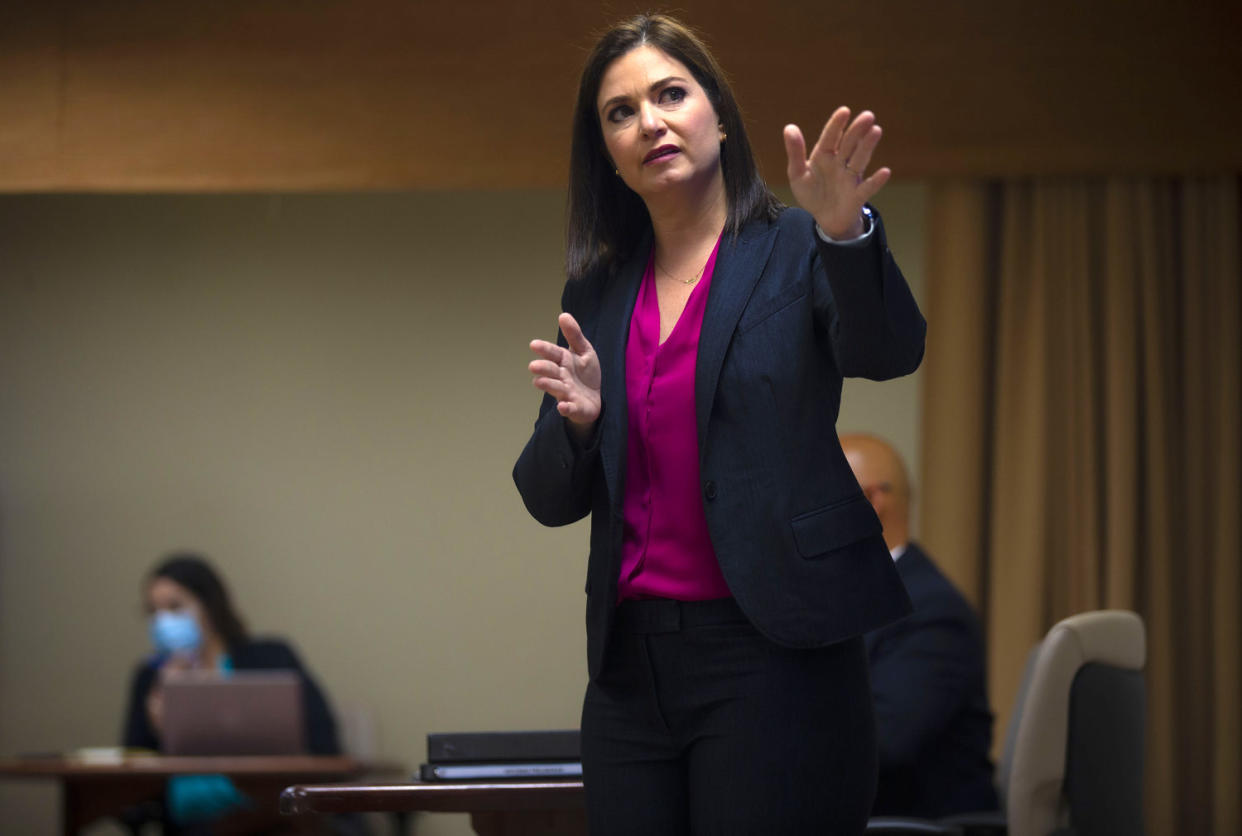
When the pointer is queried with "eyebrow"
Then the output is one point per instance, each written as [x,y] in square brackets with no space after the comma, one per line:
[656,86]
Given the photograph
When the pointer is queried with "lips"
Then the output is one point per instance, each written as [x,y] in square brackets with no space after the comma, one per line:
[661,153]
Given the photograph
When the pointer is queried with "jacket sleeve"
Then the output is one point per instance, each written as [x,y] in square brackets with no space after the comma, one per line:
[321,736]
[554,473]
[921,670]
[138,733]
[862,299]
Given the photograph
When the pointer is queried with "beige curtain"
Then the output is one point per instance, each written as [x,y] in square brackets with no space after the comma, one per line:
[1081,444]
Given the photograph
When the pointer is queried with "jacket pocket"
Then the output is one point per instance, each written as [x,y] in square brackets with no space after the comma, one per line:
[824,530]
[757,313]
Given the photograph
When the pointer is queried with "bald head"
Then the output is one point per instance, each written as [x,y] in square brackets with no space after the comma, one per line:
[882,475]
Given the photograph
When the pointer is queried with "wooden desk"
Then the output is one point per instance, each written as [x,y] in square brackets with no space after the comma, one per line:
[513,808]
[90,791]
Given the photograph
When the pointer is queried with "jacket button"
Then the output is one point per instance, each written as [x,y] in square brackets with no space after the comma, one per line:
[709,490]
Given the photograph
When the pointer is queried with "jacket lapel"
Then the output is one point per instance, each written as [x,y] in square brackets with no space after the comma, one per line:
[738,267]
[616,309]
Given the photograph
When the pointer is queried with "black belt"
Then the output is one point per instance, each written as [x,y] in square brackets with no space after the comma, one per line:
[664,615]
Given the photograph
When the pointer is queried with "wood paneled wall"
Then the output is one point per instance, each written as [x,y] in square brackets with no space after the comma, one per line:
[134,95]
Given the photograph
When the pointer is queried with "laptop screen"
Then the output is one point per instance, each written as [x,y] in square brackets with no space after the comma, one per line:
[237,713]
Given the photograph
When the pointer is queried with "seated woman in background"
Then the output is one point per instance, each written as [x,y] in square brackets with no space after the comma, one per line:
[193,626]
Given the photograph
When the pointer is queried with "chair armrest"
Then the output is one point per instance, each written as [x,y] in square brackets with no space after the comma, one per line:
[984,823]
[903,826]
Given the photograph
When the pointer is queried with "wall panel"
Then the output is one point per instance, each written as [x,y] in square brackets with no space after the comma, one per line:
[266,95]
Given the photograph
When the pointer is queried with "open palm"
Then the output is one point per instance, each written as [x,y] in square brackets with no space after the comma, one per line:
[830,183]
[571,375]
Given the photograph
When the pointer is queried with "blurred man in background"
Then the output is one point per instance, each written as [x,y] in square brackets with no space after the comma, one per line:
[927,671]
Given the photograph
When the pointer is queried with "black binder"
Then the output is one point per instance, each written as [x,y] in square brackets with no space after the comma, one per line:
[503,746]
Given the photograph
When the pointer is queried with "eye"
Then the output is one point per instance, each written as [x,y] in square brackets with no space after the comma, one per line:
[619,113]
[673,94]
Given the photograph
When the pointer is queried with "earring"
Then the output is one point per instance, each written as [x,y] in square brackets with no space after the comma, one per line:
[617,171]
[723,136]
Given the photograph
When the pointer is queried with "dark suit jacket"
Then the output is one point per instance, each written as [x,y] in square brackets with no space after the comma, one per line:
[932,717]
[787,317]
[258,655]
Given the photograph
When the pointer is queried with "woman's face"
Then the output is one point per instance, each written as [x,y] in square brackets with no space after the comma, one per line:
[165,595]
[176,621]
[660,129]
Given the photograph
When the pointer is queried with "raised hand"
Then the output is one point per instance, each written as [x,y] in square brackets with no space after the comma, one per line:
[830,184]
[571,375]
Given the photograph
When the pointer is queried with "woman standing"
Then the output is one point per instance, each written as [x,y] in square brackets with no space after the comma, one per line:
[690,409]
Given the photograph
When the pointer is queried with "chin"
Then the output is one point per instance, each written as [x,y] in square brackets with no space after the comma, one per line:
[669,178]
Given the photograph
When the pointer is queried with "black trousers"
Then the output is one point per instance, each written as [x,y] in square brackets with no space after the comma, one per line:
[700,725]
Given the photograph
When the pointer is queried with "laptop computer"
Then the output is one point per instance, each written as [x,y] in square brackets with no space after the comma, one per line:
[236,713]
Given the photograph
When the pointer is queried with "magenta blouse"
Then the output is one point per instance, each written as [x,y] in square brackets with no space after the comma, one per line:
[667,551]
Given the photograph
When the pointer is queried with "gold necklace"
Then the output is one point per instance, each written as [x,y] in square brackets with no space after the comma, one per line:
[697,275]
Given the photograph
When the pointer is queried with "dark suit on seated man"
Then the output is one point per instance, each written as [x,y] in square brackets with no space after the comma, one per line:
[927,671]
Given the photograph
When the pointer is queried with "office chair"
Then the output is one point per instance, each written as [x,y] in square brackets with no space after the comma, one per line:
[1072,762]
[1078,750]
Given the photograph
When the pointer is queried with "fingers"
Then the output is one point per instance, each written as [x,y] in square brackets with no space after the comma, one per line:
[578,343]
[573,408]
[861,156]
[795,151]
[554,357]
[851,144]
[830,137]
[832,183]
[548,373]
[868,188]
[857,131]
[570,410]
[581,414]
[548,351]
[545,368]
[570,375]
[554,386]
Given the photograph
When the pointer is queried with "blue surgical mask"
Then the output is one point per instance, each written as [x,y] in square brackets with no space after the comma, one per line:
[175,632]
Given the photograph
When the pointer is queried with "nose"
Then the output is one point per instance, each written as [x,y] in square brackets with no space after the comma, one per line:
[650,120]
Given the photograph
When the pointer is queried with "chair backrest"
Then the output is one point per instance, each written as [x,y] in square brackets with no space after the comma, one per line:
[1085,695]
[355,723]
[1005,765]
[1104,762]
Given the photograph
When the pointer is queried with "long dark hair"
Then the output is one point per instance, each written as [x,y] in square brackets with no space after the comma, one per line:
[606,218]
[194,573]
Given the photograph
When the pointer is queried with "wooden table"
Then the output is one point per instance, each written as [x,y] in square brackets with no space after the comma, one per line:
[510,808]
[90,791]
